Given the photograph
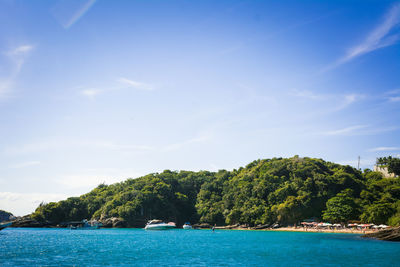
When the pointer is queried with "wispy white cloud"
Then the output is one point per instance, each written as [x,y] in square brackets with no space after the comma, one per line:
[176,146]
[381,36]
[135,84]
[346,131]
[5,87]
[392,95]
[123,83]
[69,12]
[285,28]
[91,92]
[384,148]
[19,50]
[307,94]
[339,101]
[394,98]
[347,100]
[54,144]
[114,146]
[63,145]
[359,130]
[16,56]
[393,92]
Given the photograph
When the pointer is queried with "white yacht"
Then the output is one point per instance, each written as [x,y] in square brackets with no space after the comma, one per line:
[187,226]
[159,225]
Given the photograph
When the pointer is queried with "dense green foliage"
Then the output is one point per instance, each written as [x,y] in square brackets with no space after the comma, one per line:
[341,208]
[284,190]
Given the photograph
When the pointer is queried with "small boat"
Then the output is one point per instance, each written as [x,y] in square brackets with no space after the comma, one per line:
[4,225]
[91,224]
[187,226]
[85,225]
[159,225]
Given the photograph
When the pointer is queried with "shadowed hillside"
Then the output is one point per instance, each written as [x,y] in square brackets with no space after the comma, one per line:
[6,216]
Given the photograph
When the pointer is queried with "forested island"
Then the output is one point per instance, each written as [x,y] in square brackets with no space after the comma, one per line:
[278,190]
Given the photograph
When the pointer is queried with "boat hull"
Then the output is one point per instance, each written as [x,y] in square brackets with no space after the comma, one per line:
[159,227]
[84,228]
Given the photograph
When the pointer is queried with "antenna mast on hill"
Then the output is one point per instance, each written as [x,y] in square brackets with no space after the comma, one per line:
[358,166]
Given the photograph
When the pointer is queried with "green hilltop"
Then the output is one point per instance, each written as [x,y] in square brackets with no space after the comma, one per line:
[283,190]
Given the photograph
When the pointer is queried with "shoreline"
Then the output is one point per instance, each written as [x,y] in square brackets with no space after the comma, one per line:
[303,230]
[333,231]
[281,229]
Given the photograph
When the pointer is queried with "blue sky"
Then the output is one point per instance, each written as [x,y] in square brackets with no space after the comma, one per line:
[99,91]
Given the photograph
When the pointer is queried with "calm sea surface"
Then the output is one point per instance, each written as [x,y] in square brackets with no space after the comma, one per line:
[137,247]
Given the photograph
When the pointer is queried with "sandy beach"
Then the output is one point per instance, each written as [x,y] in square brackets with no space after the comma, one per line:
[317,230]
[302,229]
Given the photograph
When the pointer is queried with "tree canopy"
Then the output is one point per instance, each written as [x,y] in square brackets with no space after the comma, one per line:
[341,208]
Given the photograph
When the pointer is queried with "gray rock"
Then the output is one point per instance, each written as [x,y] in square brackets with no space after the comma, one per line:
[113,222]
[6,216]
[392,234]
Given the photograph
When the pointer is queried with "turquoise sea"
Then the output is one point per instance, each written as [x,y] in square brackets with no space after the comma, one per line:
[137,247]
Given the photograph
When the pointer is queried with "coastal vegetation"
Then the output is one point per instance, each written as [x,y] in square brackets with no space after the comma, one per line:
[282,190]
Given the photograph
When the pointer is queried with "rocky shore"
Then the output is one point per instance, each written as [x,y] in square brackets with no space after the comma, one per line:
[6,216]
[28,222]
[392,234]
